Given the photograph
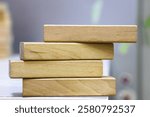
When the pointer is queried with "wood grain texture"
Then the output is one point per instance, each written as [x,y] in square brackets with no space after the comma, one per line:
[69,87]
[65,51]
[89,33]
[40,69]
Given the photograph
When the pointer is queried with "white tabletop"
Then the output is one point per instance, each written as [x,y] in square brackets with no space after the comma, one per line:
[12,88]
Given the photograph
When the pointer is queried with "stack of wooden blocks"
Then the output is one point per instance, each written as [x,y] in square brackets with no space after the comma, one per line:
[5,31]
[69,62]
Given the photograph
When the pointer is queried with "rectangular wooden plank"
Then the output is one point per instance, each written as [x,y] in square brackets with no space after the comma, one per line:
[39,69]
[65,51]
[105,86]
[90,33]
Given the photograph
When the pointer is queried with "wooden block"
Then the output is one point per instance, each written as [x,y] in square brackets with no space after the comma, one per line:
[40,69]
[98,34]
[5,31]
[65,51]
[5,50]
[1,16]
[4,14]
[69,87]
[4,55]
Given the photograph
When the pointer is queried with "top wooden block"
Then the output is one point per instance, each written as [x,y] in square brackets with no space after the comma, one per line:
[90,33]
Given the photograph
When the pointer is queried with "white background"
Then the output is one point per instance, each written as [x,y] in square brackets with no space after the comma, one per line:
[7,107]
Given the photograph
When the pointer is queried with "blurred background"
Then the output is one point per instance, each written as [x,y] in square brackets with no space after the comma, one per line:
[23,20]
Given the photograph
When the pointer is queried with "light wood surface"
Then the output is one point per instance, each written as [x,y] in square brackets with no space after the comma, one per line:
[65,51]
[87,33]
[69,87]
[5,50]
[40,69]
[4,14]
[5,31]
